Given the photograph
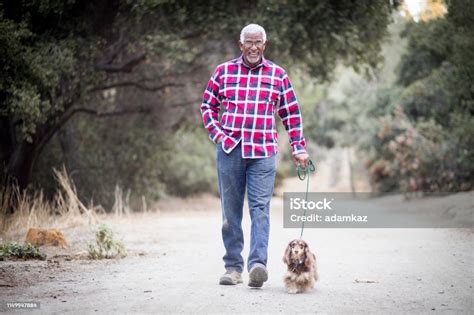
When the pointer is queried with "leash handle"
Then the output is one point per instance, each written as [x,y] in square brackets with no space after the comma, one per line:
[303,173]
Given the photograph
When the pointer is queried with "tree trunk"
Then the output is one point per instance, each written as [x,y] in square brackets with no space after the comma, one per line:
[20,164]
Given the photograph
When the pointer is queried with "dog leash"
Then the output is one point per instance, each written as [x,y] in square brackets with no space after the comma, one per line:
[303,173]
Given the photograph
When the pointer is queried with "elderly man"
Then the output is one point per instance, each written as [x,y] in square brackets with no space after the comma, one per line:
[250,89]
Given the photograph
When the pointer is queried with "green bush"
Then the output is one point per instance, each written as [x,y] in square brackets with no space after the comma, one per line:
[105,245]
[418,157]
[22,251]
[427,143]
[189,167]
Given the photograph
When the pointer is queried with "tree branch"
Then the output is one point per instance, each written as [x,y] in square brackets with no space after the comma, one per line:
[136,84]
[138,110]
[185,103]
[116,48]
[193,34]
[125,67]
[72,111]
[191,70]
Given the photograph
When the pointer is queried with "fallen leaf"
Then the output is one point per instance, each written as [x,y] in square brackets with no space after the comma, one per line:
[366,281]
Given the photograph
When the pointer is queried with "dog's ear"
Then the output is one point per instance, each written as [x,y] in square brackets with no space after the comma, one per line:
[309,257]
[287,256]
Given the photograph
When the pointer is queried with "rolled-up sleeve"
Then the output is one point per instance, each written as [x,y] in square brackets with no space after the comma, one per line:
[210,107]
[290,114]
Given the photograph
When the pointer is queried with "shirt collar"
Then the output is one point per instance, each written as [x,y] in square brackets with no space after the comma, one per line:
[240,61]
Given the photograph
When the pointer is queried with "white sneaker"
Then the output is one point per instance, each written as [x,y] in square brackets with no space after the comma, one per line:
[231,277]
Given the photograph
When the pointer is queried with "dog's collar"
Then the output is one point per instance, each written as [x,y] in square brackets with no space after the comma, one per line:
[296,265]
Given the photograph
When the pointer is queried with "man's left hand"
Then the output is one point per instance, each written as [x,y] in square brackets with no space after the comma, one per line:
[301,159]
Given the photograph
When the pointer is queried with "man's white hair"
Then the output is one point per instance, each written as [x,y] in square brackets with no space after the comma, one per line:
[253,29]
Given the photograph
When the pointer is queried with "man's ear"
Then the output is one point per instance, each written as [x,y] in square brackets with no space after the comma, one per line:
[241,46]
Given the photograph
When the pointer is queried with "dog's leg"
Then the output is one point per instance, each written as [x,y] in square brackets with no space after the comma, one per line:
[299,282]
[315,274]
[308,285]
[302,285]
[289,281]
[292,288]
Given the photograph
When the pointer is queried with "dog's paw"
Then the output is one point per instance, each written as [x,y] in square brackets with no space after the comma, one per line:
[292,291]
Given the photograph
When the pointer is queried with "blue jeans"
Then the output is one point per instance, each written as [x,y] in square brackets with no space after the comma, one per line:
[236,175]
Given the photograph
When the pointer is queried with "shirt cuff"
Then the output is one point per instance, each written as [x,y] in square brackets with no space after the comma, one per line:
[298,149]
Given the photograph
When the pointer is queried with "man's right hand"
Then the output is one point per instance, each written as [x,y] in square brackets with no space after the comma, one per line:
[220,140]
[301,160]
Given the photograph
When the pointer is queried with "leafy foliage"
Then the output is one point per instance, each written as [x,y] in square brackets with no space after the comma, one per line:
[318,35]
[426,143]
[429,44]
[104,86]
[193,172]
[44,71]
[105,245]
[21,251]
[416,130]
[413,157]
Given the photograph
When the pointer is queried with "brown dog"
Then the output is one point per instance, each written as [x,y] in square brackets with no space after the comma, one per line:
[52,237]
[301,262]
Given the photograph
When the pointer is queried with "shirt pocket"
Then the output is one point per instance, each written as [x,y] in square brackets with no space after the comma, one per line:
[268,91]
[229,88]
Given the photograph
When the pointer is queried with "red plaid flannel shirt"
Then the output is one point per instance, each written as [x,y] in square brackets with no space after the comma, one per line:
[250,98]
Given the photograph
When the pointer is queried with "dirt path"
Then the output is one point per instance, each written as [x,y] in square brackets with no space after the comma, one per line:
[175,261]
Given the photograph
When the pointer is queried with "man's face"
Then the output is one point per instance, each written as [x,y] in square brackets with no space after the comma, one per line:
[252,49]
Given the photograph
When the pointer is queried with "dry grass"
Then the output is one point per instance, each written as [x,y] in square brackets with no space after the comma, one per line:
[121,206]
[33,210]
